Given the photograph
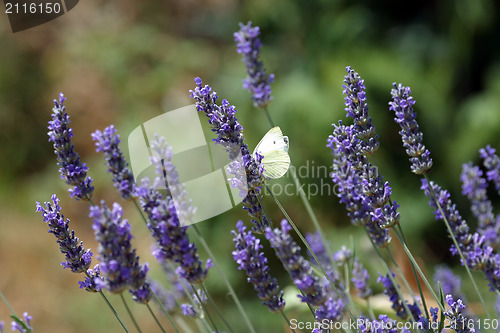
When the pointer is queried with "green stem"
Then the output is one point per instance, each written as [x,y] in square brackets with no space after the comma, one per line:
[156,319]
[130,313]
[8,304]
[204,307]
[287,321]
[114,311]
[165,312]
[210,299]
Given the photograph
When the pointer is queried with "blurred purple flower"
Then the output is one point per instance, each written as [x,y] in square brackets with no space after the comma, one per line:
[257,82]
[491,162]
[25,326]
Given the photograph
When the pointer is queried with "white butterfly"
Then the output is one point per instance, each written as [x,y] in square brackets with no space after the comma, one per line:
[274,149]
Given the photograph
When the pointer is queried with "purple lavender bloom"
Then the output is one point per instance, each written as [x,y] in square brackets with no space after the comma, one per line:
[318,247]
[359,186]
[2,325]
[249,258]
[167,299]
[194,310]
[360,278]
[230,135]
[94,281]
[402,105]
[71,168]
[188,310]
[171,238]
[454,314]
[297,266]
[391,291]
[24,326]
[478,255]
[107,142]
[119,262]
[450,283]
[77,258]
[330,311]
[474,186]
[357,108]
[492,164]
[257,82]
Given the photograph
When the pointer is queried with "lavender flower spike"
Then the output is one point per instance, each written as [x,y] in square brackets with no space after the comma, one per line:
[77,258]
[474,186]
[171,237]
[249,258]
[107,142]
[230,135]
[478,255]
[357,108]
[119,262]
[298,267]
[71,168]
[257,82]
[360,278]
[402,105]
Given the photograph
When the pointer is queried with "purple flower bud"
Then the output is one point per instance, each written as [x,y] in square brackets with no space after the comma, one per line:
[296,265]
[249,258]
[78,259]
[71,168]
[107,142]
[27,322]
[455,316]
[119,262]
[357,108]
[492,164]
[257,82]
[402,105]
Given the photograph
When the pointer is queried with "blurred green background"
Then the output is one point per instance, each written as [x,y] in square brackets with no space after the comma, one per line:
[126,62]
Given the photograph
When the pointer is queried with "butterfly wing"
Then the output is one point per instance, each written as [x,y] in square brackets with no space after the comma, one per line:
[273,140]
[276,164]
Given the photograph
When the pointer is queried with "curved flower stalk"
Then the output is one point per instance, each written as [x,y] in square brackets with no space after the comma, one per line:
[402,105]
[357,108]
[230,134]
[474,186]
[249,258]
[359,186]
[78,259]
[119,262]
[108,142]
[257,82]
[478,255]
[71,168]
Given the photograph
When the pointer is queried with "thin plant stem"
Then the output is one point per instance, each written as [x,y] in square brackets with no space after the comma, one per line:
[211,300]
[304,241]
[183,324]
[455,242]
[287,321]
[130,313]
[165,312]
[8,304]
[268,117]
[156,319]
[224,278]
[348,290]
[114,311]
[369,307]
[204,307]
